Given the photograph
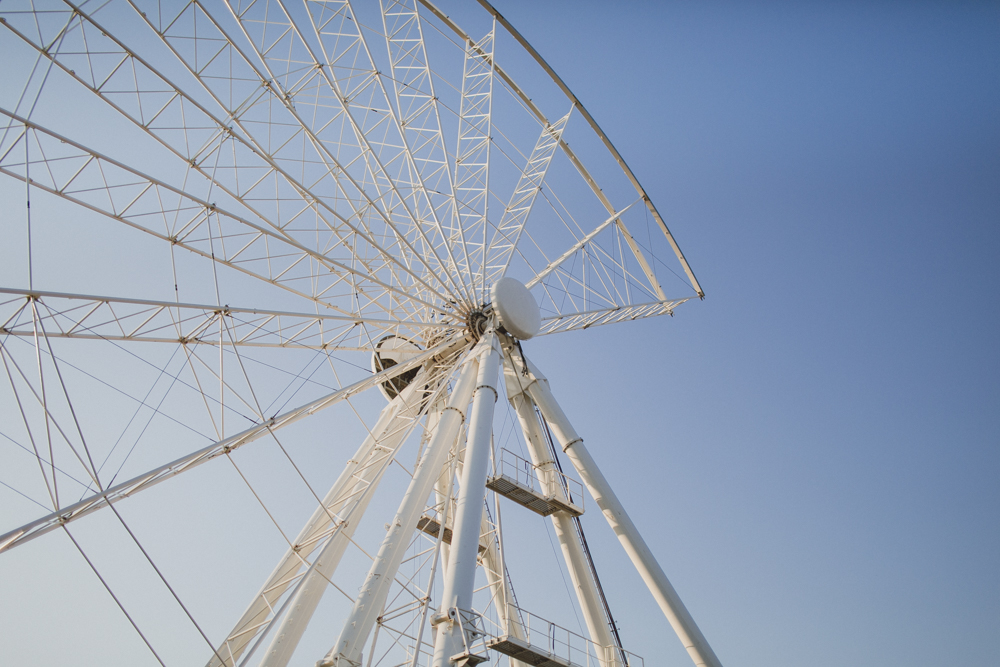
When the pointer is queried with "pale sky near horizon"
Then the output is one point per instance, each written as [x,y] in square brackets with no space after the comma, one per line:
[813,450]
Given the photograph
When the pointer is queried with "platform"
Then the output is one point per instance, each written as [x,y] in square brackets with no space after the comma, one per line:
[432,526]
[469,659]
[519,480]
[518,649]
[524,495]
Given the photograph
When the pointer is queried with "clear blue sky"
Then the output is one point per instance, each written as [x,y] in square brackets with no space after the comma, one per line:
[813,451]
[820,436]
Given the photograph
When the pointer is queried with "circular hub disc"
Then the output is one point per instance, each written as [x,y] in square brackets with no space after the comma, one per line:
[516,308]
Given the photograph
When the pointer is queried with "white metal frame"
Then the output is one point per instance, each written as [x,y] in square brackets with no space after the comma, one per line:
[317,174]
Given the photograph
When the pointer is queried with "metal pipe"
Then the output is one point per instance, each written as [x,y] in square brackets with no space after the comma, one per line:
[576,562]
[368,605]
[460,582]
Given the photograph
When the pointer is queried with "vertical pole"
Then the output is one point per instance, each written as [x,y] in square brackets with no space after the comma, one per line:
[642,558]
[500,588]
[442,496]
[460,582]
[368,605]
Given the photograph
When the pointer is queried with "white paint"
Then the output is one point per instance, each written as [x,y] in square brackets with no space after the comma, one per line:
[516,308]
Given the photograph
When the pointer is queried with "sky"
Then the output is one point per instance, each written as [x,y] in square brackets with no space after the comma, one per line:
[820,437]
[812,451]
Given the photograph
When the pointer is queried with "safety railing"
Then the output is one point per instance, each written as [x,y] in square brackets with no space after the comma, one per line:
[548,485]
[544,642]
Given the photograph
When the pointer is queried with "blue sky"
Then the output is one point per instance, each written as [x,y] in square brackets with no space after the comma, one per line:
[821,435]
[813,450]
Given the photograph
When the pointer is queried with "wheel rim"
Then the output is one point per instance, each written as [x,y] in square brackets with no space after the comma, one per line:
[264,194]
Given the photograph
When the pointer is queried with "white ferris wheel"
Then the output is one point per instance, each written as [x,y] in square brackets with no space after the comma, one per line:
[285,258]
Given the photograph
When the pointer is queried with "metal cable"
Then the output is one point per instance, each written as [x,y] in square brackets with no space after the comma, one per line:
[583,541]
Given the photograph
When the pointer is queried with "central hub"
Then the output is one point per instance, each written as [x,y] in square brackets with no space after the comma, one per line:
[478,320]
[514,308]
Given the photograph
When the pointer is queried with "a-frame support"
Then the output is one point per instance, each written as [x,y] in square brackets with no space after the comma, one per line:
[598,623]
[350,644]
[642,558]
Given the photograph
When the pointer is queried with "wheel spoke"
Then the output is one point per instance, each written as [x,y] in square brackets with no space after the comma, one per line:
[113,318]
[139,483]
[361,180]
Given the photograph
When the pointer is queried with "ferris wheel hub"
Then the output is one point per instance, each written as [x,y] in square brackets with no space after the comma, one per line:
[516,309]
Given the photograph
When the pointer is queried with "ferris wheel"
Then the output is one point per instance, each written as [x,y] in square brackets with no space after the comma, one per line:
[286,259]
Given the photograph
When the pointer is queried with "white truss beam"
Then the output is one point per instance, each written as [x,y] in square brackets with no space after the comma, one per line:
[576,247]
[230,160]
[309,143]
[139,483]
[596,128]
[472,159]
[419,109]
[114,318]
[593,318]
[302,80]
[518,209]
[393,153]
[94,181]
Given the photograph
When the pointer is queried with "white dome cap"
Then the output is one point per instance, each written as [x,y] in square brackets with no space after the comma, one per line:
[516,308]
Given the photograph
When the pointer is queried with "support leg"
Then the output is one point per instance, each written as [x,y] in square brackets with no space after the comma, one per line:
[598,624]
[344,502]
[348,649]
[460,582]
[573,554]
[670,603]
[500,588]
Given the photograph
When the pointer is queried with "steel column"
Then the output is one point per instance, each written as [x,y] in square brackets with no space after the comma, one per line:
[576,561]
[460,582]
[368,605]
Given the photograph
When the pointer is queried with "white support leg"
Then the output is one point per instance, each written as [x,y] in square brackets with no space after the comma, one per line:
[286,637]
[503,595]
[500,588]
[670,603]
[460,582]
[348,649]
[342,499]
[598,623]
[442,495]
